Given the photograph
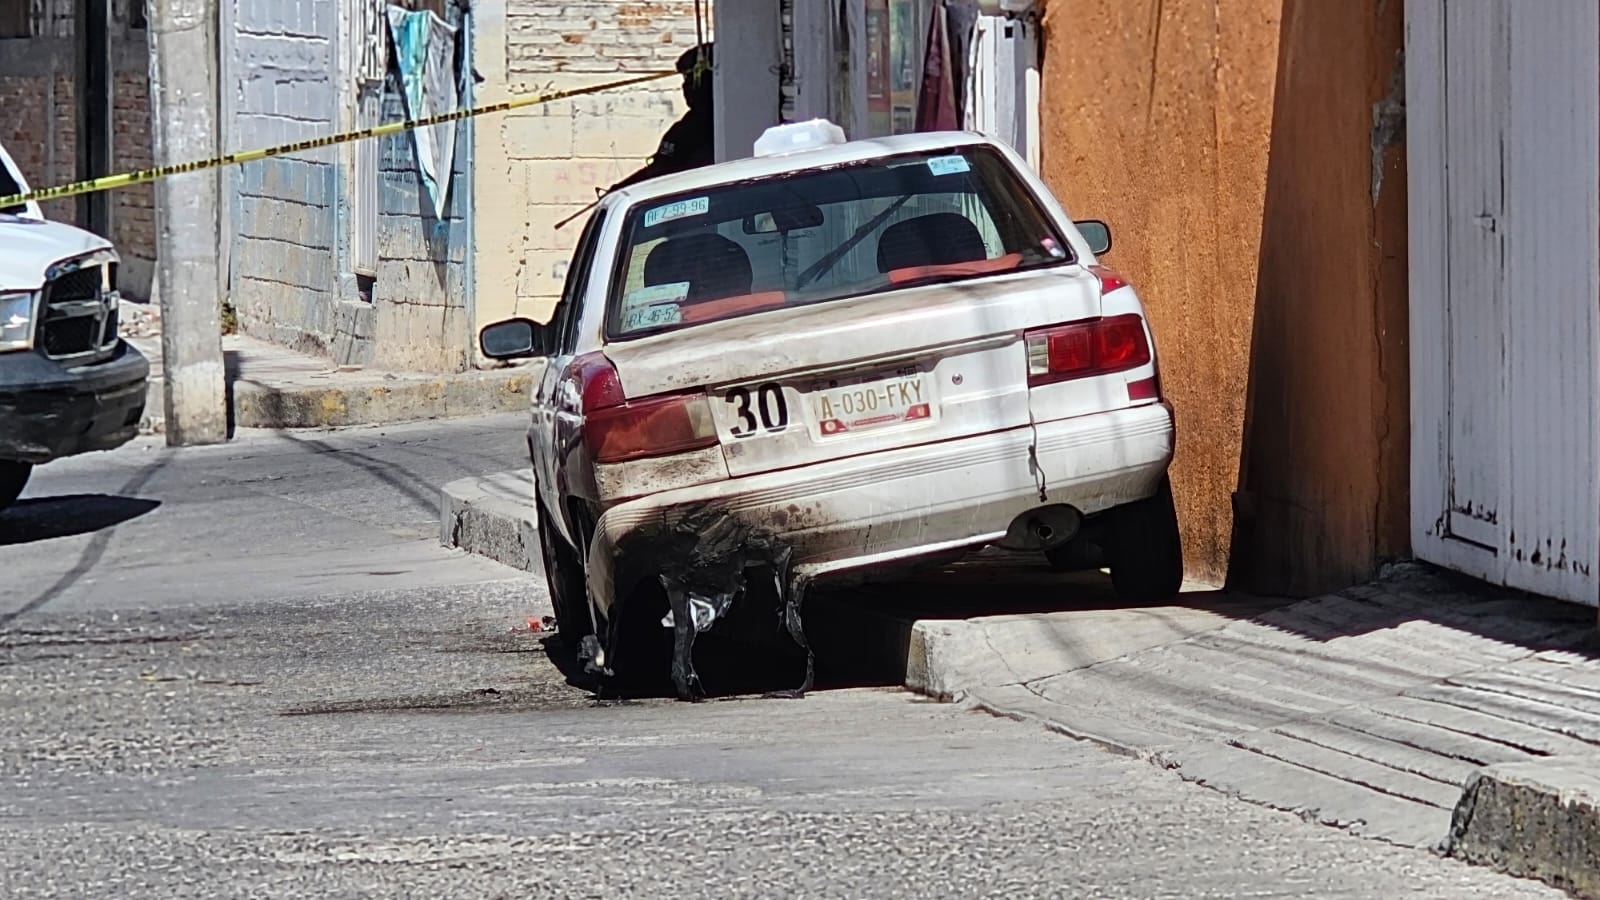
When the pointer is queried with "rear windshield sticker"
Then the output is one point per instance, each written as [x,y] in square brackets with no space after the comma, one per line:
[672,292]
[948,165]
[697,206]
[652,316]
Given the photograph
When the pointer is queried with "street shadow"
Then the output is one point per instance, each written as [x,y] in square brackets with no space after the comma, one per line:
[564,656]
[730,669]
[45,518]
[92,554]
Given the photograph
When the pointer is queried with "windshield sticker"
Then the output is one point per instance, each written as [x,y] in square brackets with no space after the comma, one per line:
[652,316]
[697,206]
[672,292]
[948,165]
[1051,247]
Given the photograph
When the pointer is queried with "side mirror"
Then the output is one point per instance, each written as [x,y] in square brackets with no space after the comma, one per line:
[513,339]
[1096,234]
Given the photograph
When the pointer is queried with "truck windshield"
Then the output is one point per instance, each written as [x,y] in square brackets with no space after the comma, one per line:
[823,234]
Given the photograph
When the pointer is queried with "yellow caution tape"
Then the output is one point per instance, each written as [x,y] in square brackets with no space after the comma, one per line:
[142,176]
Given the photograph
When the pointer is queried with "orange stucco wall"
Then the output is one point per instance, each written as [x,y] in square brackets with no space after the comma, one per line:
[1230,145]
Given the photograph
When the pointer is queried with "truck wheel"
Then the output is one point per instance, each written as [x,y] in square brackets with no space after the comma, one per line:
[1146,554]
[563,575]
[13,477]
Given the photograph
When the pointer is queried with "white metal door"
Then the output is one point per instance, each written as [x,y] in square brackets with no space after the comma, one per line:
[1477,77]
[1503,109]
[1553,206]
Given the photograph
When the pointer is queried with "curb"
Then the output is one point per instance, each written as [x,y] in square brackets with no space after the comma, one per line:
[1538,819]
[492,516]
[399,400]
[948,659]
[282,398]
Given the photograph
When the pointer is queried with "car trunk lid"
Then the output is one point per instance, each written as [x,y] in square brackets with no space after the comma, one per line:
[846,377]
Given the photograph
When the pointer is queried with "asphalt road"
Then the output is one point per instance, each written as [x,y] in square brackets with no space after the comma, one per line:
[250,670]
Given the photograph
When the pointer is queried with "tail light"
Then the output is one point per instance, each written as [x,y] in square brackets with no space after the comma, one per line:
[1083,349]
[617,429]
[1109,280]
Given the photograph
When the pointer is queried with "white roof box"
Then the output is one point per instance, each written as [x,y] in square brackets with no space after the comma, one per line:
[798,136]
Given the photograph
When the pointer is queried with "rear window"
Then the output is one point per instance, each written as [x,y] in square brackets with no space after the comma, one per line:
[825,234]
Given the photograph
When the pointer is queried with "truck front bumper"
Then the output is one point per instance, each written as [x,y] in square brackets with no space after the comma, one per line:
[49,410]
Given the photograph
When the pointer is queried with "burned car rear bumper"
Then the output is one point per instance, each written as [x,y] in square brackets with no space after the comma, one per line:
[880,508]
[49,410]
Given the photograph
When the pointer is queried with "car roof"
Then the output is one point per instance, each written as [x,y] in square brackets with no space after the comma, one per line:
[799,161]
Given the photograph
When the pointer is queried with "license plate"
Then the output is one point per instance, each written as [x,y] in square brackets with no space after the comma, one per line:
[881,403]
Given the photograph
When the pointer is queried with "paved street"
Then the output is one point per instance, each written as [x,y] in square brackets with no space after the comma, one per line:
[250,670]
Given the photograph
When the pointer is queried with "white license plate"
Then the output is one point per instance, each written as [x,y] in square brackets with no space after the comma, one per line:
[869,405]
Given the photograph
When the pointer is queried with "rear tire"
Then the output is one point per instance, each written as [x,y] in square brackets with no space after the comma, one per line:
[639,653]
[564,577]
[1146,552]
[1080,554]
[13,478]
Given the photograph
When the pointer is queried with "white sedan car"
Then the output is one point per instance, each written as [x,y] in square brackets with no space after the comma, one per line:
[829,359]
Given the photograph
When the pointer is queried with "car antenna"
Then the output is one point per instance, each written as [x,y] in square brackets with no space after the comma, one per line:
[598,196]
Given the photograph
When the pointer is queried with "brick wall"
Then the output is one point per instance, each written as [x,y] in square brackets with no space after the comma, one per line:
[540,165]
[39,130]
[133,213]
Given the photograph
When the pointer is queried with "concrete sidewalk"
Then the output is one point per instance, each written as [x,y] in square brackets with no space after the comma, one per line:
[274,387]
[1420,710]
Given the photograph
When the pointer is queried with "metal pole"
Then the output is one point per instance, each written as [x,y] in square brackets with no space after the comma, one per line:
[183,110]
[92,27]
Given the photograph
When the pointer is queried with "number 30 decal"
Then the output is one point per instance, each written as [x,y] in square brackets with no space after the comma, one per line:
[767,402]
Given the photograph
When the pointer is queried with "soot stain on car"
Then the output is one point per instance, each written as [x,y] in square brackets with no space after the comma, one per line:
[704,562]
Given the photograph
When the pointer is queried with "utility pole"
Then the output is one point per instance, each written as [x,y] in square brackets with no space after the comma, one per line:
[183,111]
[92,27]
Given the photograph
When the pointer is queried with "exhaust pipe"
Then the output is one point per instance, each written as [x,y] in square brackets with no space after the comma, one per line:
[1043,528]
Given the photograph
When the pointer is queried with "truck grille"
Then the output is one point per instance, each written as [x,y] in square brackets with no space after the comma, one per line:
[80,319]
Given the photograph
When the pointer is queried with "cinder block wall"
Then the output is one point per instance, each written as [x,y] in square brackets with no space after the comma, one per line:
[283,71]
[291,279]
[420,292]
[539,165]
[39,127]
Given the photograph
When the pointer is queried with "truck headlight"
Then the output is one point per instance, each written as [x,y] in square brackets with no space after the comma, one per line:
[17,313]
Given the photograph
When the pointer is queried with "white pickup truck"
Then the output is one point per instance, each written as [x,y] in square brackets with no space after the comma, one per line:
[69,384]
